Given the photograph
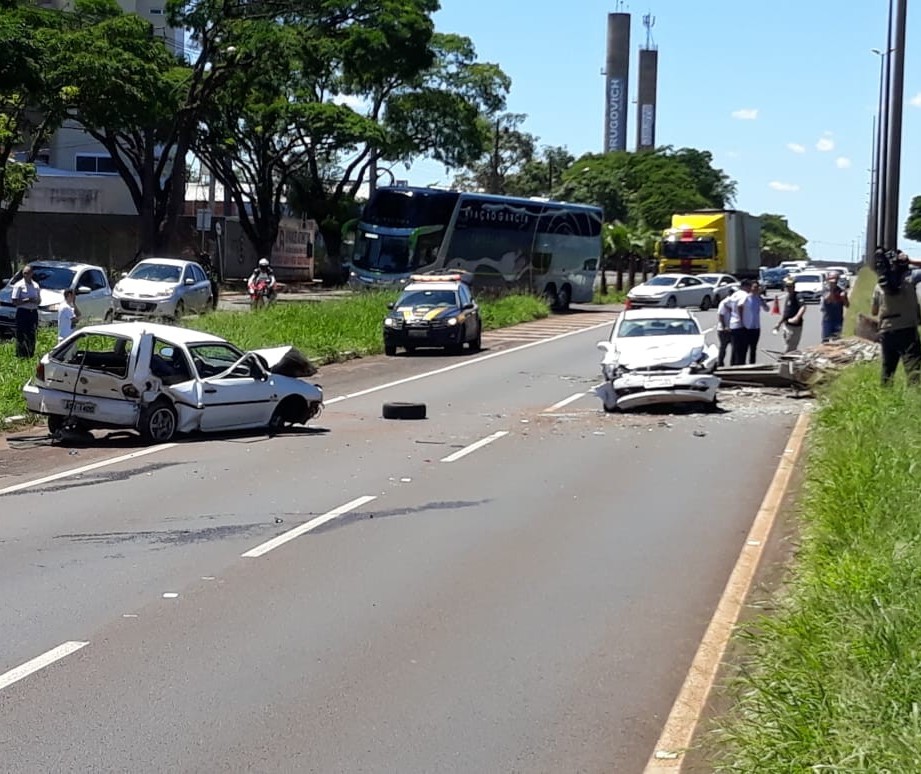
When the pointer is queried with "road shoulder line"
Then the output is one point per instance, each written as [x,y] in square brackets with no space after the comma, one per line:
[682,721]
[39,662]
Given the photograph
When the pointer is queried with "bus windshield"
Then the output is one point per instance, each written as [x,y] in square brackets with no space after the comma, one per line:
[385,254]
[680,250]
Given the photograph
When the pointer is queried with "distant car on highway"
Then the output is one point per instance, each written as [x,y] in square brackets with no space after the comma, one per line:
[89,283]
[163,379]
[809,286]
[671,291]
[724,284]
[162,288]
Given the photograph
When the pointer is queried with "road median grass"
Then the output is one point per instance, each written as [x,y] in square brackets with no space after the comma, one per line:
[326,331]
[831,680]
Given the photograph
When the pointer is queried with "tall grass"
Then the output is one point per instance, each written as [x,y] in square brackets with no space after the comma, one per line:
[326,331]
[832,682]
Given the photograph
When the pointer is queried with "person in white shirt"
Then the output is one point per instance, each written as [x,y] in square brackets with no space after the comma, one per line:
[26,298]
[750,307]
[737,334]
[68,316]
[723,331]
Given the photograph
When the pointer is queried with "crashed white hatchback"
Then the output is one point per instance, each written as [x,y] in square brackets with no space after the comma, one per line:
[657,356]
[161,380]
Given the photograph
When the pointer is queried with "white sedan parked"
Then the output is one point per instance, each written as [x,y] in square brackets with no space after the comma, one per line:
[673,290]
[161,380]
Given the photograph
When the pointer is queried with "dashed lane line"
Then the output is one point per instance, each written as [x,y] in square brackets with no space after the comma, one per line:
[39,662]
[460,453]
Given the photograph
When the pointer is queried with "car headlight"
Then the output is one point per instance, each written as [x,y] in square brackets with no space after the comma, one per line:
[452,321]
[702,384]
[388,322]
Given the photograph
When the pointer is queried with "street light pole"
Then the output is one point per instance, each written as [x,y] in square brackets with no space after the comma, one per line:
[882,145]
[896,99]
[870,246]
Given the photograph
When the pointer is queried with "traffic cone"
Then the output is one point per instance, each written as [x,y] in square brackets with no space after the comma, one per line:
[776,308]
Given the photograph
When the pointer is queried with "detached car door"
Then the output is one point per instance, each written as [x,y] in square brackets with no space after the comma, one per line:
[235,391]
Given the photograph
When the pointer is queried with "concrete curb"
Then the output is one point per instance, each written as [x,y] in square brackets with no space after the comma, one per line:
[679,729]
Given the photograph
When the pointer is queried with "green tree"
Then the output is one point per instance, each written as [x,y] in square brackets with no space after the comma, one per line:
[779,242]
[507,150]
[32,104]
[417,92]
[913,222]
[542,174]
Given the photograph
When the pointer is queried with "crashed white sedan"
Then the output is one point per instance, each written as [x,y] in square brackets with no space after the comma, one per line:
[654,357]
[161,380]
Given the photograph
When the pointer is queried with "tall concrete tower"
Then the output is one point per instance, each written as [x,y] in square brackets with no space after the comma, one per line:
[617,73]
[646,93]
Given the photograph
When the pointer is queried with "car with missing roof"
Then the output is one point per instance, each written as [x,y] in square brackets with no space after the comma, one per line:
[434,310]
[89,283]
[162,380]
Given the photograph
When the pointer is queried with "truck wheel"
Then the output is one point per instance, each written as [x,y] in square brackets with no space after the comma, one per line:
[671,303]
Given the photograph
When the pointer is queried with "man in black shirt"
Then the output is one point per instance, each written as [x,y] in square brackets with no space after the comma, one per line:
[791,320]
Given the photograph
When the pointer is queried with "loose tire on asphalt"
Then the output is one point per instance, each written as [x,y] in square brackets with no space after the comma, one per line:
[403,411]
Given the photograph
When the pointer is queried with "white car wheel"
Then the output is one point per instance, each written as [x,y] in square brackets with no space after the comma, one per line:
[158,422]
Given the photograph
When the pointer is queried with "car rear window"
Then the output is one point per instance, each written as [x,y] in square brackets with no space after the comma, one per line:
[97,352]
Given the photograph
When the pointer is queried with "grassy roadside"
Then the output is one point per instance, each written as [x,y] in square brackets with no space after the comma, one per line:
[326,331]
[832,679]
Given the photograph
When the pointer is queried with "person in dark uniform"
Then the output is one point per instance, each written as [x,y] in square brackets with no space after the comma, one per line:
[895,306]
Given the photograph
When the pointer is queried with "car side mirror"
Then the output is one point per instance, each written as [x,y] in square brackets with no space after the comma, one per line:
[83,290]
[124,274]
[391,305]
[189,281]
[468,306]
[604,346]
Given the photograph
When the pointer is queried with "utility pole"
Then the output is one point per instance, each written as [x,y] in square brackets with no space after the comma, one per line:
[882,143]
[870,246]
[494,177]
[896,97]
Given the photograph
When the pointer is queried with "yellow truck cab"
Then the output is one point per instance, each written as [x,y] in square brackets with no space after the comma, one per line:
[711,242]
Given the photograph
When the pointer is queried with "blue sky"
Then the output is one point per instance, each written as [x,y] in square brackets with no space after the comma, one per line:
[782,93]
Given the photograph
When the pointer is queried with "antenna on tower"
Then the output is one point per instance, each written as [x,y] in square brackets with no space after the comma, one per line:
[620,6]
[649,21]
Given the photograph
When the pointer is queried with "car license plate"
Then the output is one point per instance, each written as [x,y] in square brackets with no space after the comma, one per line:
[80,406]
[659,382]
[418,333]
[137,306]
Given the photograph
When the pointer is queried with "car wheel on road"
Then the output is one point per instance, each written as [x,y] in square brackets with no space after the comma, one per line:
[158,422]
[400,410]
[55,423]
[671,303]
[390,349]
[285,415]
[477,343]
[705,304]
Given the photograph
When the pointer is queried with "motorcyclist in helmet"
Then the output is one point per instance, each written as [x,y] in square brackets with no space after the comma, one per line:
[262,272]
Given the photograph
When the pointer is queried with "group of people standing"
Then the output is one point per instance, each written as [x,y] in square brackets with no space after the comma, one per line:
[739,318]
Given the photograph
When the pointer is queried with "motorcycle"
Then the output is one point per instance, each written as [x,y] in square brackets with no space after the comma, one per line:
[261,294]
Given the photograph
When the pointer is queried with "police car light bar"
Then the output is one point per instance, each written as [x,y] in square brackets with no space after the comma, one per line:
[456,277]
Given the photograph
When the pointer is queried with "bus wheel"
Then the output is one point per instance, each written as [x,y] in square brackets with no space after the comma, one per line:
[563,298]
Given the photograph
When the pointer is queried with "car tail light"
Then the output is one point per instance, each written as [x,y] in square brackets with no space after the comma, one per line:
[40,372]
[130,391]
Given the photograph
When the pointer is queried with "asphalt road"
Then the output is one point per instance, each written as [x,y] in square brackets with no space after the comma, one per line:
[509,585]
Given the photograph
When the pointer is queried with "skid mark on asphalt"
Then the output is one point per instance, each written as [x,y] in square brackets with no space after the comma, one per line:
[168,537]
[393,513]
[83,480]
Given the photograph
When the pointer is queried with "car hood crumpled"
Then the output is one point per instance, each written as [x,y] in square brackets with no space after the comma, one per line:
[286,361]
[660,352]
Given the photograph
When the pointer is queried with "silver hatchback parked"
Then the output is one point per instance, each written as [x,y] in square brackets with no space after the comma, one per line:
[161,288]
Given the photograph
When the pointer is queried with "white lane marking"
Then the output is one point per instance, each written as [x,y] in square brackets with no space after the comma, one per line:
[39,662]
[339,399]
[565,402]
[472,361]
[86,468]
[291,534]
[474,446]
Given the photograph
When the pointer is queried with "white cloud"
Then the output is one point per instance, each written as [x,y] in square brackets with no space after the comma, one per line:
[745,114]
[350,100]
[825,143]
[843,162]
[778,186]
[796,147]
[916,100]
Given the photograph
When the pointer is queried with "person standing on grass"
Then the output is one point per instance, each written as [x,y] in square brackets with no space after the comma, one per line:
[26,298]
[791,320]
[834,302]
[895,307]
